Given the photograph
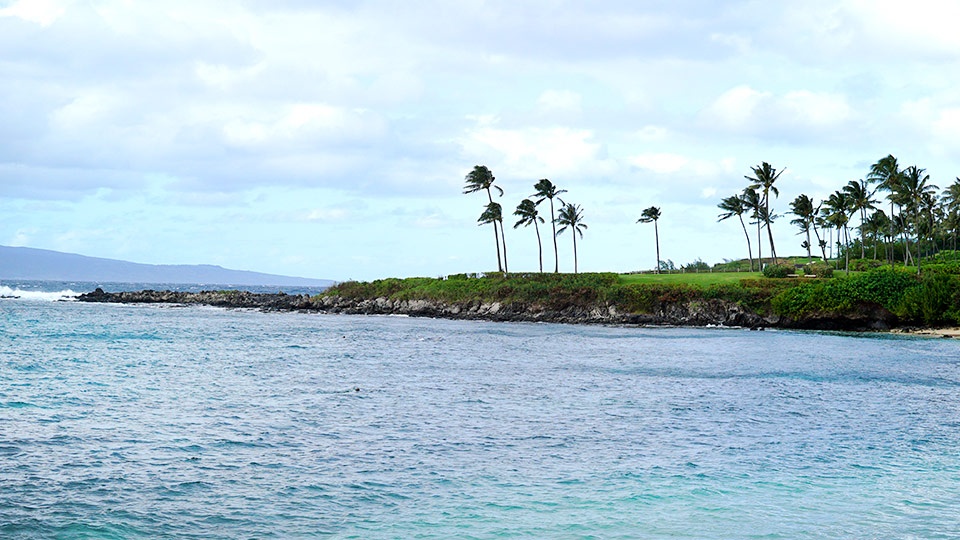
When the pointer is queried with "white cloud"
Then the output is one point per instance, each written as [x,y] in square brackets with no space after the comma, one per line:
[559,101]
[745,110]
[666,163]
[534,151]
[926,26]
[42,12]
[304,122]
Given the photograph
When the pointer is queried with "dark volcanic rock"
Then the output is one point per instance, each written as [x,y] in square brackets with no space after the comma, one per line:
[712,312]
[229,299]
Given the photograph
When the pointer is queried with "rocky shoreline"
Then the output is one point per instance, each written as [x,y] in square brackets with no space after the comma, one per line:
[713,312]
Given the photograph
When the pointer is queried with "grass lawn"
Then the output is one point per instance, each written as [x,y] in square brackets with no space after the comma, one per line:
[703,278]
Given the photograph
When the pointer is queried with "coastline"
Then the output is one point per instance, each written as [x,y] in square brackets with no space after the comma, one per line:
[680,312]
[943,333]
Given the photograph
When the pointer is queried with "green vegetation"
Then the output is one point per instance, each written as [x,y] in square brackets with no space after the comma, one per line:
[930,299]
[918,280]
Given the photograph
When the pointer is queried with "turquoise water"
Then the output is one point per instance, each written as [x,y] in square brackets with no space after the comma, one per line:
[190,422]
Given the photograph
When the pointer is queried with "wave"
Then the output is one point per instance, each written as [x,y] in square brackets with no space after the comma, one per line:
[47,296]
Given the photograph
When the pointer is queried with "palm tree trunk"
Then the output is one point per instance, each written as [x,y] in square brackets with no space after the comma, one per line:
[823,250]
[809,255]
[745,233]
[539,245]
[574,235]
[773,250]
[496,236]
[759,248]
[846,251]
[503,239]
[556,253]
[656,236]
[893,254]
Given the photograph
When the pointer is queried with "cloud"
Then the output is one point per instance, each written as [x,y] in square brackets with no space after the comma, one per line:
[798,113]
[534,152]
[559,101]
[42,12]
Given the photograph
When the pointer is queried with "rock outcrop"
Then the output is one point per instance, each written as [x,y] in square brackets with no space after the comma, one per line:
[712,312]
[228,299]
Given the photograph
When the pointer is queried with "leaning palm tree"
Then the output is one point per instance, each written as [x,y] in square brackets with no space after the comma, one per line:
[734,205]
[480,178]
[838,210]
[764,177]
[547,191]
[861,200]
[493,214]
[571,215]
[652,214]
[753,202]
[802,207]
[527,210]
[916,190]
[886,172]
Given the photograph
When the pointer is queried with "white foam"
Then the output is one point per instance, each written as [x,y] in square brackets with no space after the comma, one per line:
[44,296]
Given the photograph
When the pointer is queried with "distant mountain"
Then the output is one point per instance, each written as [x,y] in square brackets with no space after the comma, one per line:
[21,263]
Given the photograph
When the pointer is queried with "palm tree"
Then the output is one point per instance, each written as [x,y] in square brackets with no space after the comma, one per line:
[886,172]
[652,214]
[546,190]
[860,199]
[571,215]
[734,205]
[751,199]
[802,207]
[764,177]
[916,191]
[838,210]
[877,224]
[480,178]
[951,204]
[527,210]
[493,213]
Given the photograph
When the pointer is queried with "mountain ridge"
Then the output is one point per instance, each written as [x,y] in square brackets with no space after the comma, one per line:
[23,263]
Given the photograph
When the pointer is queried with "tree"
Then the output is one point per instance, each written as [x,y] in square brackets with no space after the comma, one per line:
[764,177]
[571,216]
[886,172]
[547,191]
[915,191]
[802,207]
[527,210]
[751,199]
[480,178]
[493,213]
[861,199]
[838,210]
[734,205]
[652,214]
[951,205]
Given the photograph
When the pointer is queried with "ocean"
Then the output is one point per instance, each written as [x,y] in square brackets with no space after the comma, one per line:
[147,421]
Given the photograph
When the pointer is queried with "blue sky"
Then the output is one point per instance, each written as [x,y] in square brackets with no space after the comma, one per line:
[330,139]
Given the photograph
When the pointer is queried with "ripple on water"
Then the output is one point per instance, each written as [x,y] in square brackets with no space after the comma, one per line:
[202,423]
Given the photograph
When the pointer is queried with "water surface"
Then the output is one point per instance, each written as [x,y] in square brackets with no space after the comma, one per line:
[192,422]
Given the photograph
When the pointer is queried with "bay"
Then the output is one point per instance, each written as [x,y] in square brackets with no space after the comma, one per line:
[190,422]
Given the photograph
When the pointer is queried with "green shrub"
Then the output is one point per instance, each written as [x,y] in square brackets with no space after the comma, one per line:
[884,287]
[777,270]
[933,301]
[864,265]
[819,269]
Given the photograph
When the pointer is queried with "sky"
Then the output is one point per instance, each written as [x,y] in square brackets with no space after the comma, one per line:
[330,139]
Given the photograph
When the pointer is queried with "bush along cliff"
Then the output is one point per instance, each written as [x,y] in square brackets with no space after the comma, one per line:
[874,300]
[878,299]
